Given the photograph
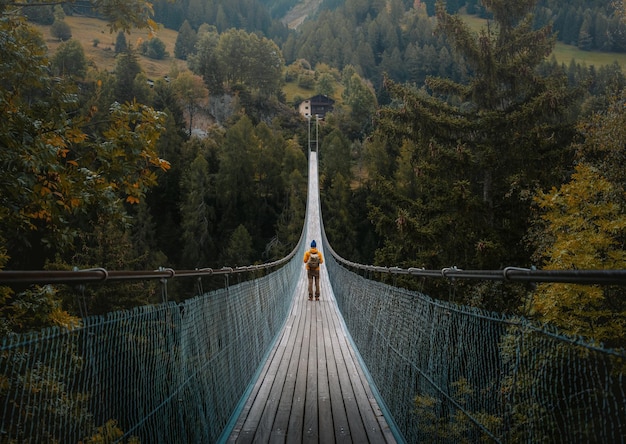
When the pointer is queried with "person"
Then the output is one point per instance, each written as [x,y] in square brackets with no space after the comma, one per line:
[313,259]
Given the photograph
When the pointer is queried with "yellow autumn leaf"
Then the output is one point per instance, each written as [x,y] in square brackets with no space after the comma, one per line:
[63,319]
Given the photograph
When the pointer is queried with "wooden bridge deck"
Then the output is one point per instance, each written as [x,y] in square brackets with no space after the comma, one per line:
[312,387]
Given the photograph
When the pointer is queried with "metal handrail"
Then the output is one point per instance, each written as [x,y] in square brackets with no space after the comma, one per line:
[588,277]
[602,277]
[8,277]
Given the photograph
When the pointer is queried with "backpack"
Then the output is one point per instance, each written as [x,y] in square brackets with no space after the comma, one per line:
[314,261]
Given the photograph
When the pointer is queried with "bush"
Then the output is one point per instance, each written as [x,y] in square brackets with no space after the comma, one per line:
[153,48]
[61,30]
[306,80]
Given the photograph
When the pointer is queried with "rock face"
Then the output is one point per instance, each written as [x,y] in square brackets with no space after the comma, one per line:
[303,9]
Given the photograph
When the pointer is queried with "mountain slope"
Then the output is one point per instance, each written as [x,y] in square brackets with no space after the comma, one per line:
[300,12]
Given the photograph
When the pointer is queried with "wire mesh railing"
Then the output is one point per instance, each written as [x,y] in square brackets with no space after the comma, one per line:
[451,373]
[161,374]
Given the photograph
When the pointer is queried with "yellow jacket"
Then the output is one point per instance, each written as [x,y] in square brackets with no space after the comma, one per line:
[307,254]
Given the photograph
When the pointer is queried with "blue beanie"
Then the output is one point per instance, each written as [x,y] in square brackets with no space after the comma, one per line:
[313,244]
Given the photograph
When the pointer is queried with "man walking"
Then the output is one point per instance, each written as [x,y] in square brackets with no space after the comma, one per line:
[313,259]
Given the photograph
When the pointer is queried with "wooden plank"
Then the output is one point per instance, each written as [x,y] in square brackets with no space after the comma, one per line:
[386,434]
[312,389]
[266,422]
[281,423]
[358,380]
[257,415]
[296,418]
[340,421]
[346,391]
[325,414]
[310,429]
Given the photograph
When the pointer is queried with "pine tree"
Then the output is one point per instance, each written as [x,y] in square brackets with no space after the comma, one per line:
[479,148]
[239,251]
[120,43]
[126,69]
[198,248]
[185,41]
[236,175]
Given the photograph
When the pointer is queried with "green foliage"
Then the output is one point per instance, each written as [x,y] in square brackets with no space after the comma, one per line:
[583,226]
[197,214]
[43,15]
[34,309]
[120,43]
[59,13]
[240,249]
[185,41]
[206,62]
[236,58]
[51,155]
[70,60]
[325,85]
[361,99]
[249,15]
[126,70]
[153,48]
[191,94]
[451,424]
[463,159]
[61,30]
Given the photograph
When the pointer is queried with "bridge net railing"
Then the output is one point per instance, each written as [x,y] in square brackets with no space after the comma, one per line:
[160,374]
[449,374]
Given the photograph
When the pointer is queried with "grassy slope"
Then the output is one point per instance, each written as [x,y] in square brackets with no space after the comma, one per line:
[85,30]
[562,52]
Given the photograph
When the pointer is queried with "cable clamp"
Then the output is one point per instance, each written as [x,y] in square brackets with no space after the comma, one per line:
[506,271]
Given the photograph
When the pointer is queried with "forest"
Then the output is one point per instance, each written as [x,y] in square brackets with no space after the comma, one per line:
[446,147]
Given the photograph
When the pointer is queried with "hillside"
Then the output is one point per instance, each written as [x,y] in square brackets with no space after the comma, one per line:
[86,30]
[562,52]
[300,12]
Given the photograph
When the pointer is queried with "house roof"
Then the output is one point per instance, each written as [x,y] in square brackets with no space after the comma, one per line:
[321,99]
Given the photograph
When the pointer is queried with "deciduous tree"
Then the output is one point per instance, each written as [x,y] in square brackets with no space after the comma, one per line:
[70,60]
[584,227]
[191,93]
[60,170]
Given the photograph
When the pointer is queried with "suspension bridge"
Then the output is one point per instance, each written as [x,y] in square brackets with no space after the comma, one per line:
[258,362]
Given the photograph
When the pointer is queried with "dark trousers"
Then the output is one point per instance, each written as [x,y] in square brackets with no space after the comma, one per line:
[314,277]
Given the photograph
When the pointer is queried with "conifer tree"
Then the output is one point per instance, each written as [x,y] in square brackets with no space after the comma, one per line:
[478,148]
[239,251]
[120,43]
[236,175]
[185,41]
[126,69]
[197,216]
